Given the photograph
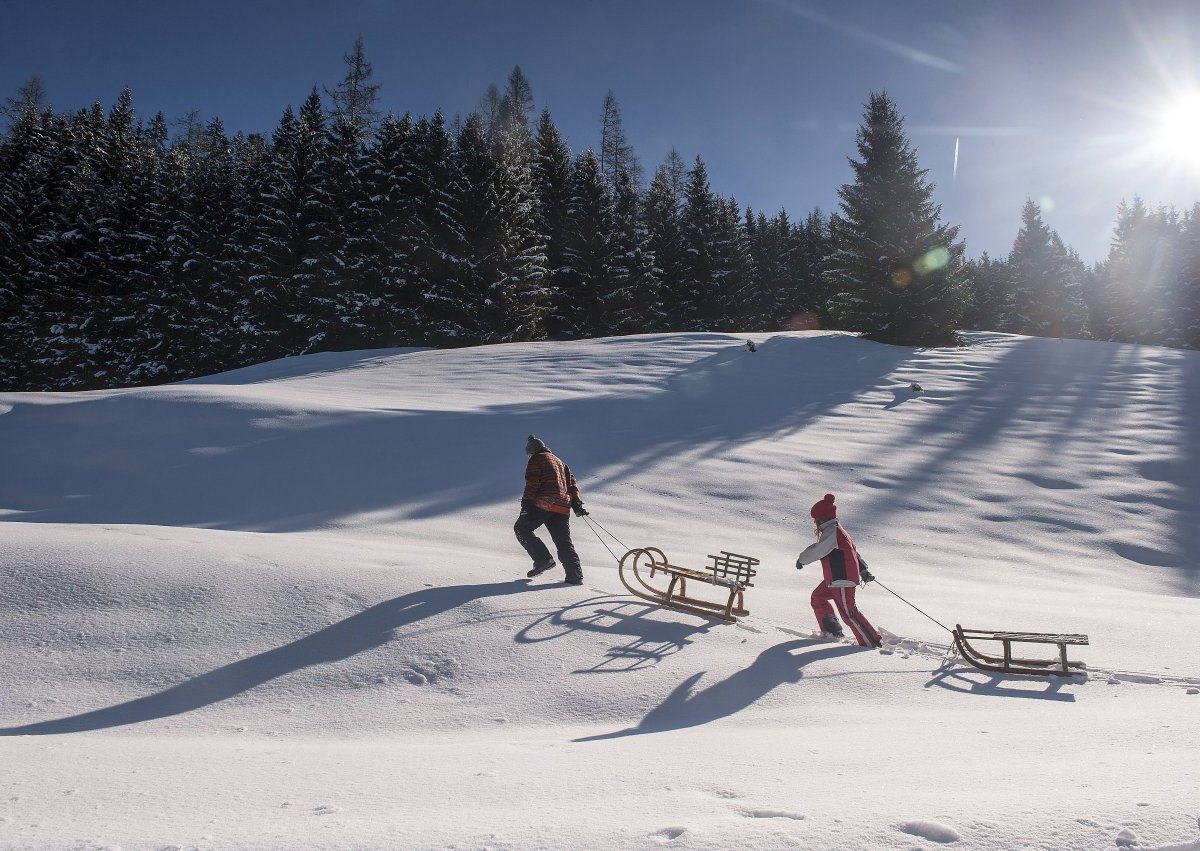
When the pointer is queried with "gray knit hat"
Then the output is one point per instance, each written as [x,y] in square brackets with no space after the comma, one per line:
[534,444]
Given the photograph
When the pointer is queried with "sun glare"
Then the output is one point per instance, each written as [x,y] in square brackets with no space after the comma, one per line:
[1177,134]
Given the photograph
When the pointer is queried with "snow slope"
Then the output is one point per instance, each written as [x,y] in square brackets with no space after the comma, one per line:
[283,607]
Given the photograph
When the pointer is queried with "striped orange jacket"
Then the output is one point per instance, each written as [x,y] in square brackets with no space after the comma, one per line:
[549,484]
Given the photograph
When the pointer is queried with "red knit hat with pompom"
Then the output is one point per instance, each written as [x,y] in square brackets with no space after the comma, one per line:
[824,510]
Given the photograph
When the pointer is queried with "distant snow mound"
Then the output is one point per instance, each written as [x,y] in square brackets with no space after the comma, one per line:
[931,830]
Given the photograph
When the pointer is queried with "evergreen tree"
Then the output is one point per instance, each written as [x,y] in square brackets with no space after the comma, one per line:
[506,266]
[990,284]
[391,281]
[698,298]
[579,304]
[632,298]
[551,175]
[441,251]
[896,270]
[1045,289]
[287,267]
[516,106]
[1137,274]
[1184,297]
[661,217]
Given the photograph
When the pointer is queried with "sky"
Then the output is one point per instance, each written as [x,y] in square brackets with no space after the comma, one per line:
[1075,105]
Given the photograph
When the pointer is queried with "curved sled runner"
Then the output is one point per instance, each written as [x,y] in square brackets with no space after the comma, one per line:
[729,571]
[1007,663]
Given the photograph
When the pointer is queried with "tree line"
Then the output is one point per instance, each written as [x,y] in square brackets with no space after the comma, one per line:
[129,255]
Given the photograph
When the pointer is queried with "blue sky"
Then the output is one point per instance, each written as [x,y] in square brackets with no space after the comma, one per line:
[1052,100]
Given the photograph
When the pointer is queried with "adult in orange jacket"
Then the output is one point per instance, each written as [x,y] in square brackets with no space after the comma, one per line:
[843,570]
[551,494]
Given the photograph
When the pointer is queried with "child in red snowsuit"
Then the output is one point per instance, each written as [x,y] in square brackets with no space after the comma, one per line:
[843,569]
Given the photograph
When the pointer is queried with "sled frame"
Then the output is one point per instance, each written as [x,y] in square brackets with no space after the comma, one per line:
[729,571]
[1006,663]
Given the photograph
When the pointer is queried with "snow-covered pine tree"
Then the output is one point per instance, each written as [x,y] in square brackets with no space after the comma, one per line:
[895,274]
[698,296]
[345,167]
[1137,273]
[733,269]
[287,270]
[441,256]
[989,283]
[1184,327]
[1044,287]
[506,268]
[551,175]
[661,216]
[390,281]
[633,298]
[516,108]
[578,308]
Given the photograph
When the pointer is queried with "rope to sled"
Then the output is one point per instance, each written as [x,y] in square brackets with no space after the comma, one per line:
[901,599]
[601,540]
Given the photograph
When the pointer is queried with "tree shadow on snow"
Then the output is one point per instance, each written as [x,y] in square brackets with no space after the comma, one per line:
[364,631]
[953,677]
[184,456]
[652,639]
[773,667]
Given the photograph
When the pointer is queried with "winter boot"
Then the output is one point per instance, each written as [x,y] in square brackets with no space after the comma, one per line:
[541,567]
[831,626]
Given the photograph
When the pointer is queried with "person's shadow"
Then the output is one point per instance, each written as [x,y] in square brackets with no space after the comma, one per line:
[366,630]
[773,667]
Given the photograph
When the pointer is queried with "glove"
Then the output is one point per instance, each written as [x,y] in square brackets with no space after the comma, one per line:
[799,564]
[866,576]
[578,508]
[526,505]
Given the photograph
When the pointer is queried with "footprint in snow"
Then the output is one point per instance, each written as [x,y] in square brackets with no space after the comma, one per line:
[326,810]
[668,834]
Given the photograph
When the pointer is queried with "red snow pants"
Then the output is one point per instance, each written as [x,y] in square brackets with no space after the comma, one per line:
[843,598]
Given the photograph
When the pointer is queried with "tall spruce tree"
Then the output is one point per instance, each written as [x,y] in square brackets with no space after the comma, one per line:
[579,304]
[698,298]
[632,298]
[661,216]
[1044,287]
[895,274]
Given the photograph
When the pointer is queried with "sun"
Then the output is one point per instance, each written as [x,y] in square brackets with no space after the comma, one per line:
[1177,130]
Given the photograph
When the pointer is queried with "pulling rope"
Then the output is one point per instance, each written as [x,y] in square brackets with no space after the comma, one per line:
[901,599]
[601,540]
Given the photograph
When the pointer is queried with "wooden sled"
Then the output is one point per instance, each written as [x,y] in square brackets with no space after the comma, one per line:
[729,571]
[1007,663]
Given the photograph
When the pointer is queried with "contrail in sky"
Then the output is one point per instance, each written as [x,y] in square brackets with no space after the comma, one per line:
[913,54]
[955,181]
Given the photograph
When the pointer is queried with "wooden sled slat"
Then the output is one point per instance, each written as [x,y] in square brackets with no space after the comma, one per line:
[1009,664]
[730,571]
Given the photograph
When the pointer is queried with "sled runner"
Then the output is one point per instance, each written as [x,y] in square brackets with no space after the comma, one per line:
[1007,664]
[728,571]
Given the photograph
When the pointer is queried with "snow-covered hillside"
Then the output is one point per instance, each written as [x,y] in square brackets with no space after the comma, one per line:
[284,608]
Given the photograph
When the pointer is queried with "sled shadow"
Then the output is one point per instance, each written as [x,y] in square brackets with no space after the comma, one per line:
[685,708]
[652,639]
[972,681]
[365,631]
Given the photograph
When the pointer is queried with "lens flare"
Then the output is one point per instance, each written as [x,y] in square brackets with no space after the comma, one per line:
[931,261]
[1177,130]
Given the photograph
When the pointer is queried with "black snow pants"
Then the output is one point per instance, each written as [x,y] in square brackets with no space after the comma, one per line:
[559,527]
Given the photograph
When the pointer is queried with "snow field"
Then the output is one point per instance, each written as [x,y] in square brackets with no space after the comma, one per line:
[283,608]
